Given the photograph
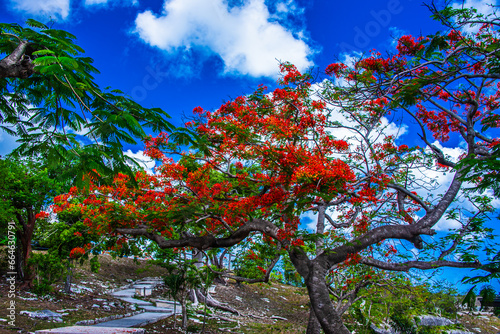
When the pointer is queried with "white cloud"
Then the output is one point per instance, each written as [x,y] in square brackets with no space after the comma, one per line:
[46,8]
[106,2]
[484,7]
[244,37]
[143,160]
[95,2]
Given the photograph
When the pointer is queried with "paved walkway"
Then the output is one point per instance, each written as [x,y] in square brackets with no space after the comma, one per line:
[151,314]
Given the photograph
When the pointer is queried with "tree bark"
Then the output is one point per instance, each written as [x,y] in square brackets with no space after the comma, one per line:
[209,301]
[184,313]
[69,276]
[19,260]
[17,64]
[25,235]
[313,326]
[314,274]
[329,319]
[320,228]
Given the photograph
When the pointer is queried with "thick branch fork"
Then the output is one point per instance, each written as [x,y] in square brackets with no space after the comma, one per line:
[206,241]
[423,265]
[17,64]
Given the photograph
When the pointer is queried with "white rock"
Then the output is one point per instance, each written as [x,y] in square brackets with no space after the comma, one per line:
[431,320]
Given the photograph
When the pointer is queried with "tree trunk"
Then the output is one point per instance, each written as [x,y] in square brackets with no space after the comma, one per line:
[314,274]
[175,314]
[320,229]
[25,236]
[184,313]
[313,326]
[208,300]
[329,319]
[19,261]
[69,276]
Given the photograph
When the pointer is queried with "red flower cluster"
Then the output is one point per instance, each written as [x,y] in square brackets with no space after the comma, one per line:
[42,215]
[407,46]
[76,253]
[335,69]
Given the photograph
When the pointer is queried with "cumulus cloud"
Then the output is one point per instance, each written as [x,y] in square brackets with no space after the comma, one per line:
[106,2]
[46,8]
[95,2]
[247,38]
[143,160]
[485,7]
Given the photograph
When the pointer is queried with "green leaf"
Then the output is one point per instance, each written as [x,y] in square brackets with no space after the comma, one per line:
[43,52]
[36,24]
[44,61]
[68,62]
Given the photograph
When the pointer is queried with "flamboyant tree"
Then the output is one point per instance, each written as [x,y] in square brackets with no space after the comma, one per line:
[261,161]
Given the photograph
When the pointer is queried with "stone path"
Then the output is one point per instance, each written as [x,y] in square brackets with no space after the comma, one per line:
[90,330]
[152,313]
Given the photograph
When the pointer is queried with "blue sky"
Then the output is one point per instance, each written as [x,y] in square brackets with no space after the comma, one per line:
[180,54]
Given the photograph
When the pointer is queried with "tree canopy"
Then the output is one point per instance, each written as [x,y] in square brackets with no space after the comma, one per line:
[260,162]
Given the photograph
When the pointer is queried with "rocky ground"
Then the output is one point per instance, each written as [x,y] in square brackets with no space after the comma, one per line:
[262,308]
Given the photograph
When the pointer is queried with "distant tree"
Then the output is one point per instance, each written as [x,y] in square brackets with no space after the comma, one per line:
[26,190]
[260,162]
[70,242]
[487,294]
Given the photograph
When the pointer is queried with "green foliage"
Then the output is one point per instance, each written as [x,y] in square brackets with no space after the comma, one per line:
[364,324]
[403,323]
[47,270]
[60,98]
[26,188]
[174,282]
[254,257]
[94,264]
[470,299]
[400,300]
[488,294]
[61,237]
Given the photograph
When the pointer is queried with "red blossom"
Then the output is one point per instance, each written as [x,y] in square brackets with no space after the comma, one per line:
[42,215]
[335,69]
[407,46]
[76,253]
